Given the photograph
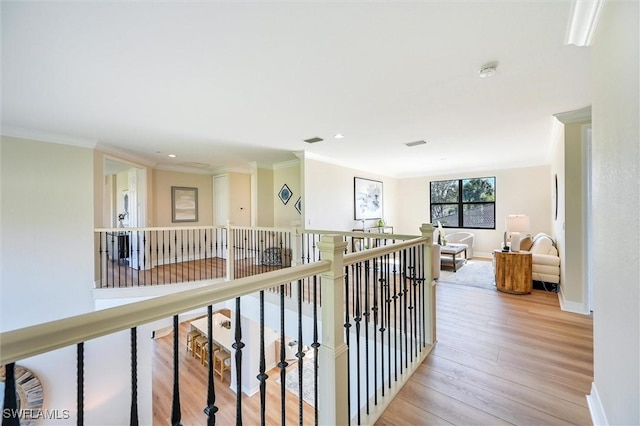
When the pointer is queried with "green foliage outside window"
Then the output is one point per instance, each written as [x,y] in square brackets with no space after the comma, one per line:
[464,203]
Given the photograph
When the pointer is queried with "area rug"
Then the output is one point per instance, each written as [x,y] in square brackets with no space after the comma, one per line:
[475,273]
[308,380]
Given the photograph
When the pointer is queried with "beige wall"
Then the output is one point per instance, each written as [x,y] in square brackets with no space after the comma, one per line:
[265,198]
[286,214]
[51,202]
[240,199]
[162,182]
[518,191]
[47,221]
[616,201]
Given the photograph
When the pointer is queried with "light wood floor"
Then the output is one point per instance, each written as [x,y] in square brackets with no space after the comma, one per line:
[193,391]
[500,359]
[119,274]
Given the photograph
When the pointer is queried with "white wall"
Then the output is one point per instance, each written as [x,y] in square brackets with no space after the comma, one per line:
[615,397]
[47,264]
[518,191]
[329,197]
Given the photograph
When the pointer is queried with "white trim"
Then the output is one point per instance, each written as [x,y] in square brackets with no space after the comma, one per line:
[124,155]
[598,416]
[569,306]
[286,164]
[575,116]
[41,136]
[183,169]
[585,15]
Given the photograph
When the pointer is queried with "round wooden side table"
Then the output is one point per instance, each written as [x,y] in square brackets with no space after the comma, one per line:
[513,272]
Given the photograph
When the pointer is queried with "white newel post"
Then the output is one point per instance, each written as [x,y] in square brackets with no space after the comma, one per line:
[332,386]
[429,284]
[231,252]
[296,244]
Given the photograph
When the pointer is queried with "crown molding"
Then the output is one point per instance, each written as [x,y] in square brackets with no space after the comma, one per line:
[575,116]
[583,22]
[286,164]
[37,135]
[125,155]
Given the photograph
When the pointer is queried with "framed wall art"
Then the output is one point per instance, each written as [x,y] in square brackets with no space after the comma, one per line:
[367,199]
[184,204]
[285,194]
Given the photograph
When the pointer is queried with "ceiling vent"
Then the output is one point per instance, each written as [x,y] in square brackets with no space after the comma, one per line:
[313,140]
[416,143]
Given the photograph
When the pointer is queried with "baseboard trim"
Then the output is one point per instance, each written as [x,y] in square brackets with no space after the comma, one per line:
[569,306]
[598,417]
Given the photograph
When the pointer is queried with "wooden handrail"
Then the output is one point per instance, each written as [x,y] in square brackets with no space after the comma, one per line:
[42,338]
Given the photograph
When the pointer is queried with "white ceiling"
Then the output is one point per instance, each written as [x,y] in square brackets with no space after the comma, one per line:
[223,84]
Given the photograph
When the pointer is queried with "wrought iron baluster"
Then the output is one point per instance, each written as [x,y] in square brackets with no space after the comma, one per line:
[80,383]
[374,309]
[10,413]
[175,407]
[404,310]
[367,307]
[101,253]
[388,319]
[357,319]
[347,326]
[397,317]
[383,313]
[315,345]
[283,363]
[262,377]
[300,354]
[133,417]
[211,409]
[238,345]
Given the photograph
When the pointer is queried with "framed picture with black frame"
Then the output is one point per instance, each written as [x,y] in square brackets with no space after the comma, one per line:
[367,199]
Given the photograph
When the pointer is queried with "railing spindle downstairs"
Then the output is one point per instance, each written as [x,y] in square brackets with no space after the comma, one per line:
[133,419]
[315,345]
[347,325]
[283,363]
[238,345]
[175,408]
[80,383]
[211,409]
[262,376]
[10,403]
[300,354]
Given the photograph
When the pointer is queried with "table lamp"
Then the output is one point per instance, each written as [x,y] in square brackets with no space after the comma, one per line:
[516,224]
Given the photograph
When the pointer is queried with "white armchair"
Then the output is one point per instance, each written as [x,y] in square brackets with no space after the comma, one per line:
[461,237]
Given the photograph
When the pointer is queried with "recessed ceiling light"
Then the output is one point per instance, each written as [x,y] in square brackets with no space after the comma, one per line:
[415,143]
[172,155]
[487,70]
[339,136]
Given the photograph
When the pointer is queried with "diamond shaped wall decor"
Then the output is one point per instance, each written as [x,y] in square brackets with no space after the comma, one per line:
[285,194]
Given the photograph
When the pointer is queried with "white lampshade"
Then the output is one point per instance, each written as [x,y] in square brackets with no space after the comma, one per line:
[516,224]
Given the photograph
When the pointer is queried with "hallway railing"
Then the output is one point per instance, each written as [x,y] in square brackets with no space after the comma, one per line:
[375,325]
